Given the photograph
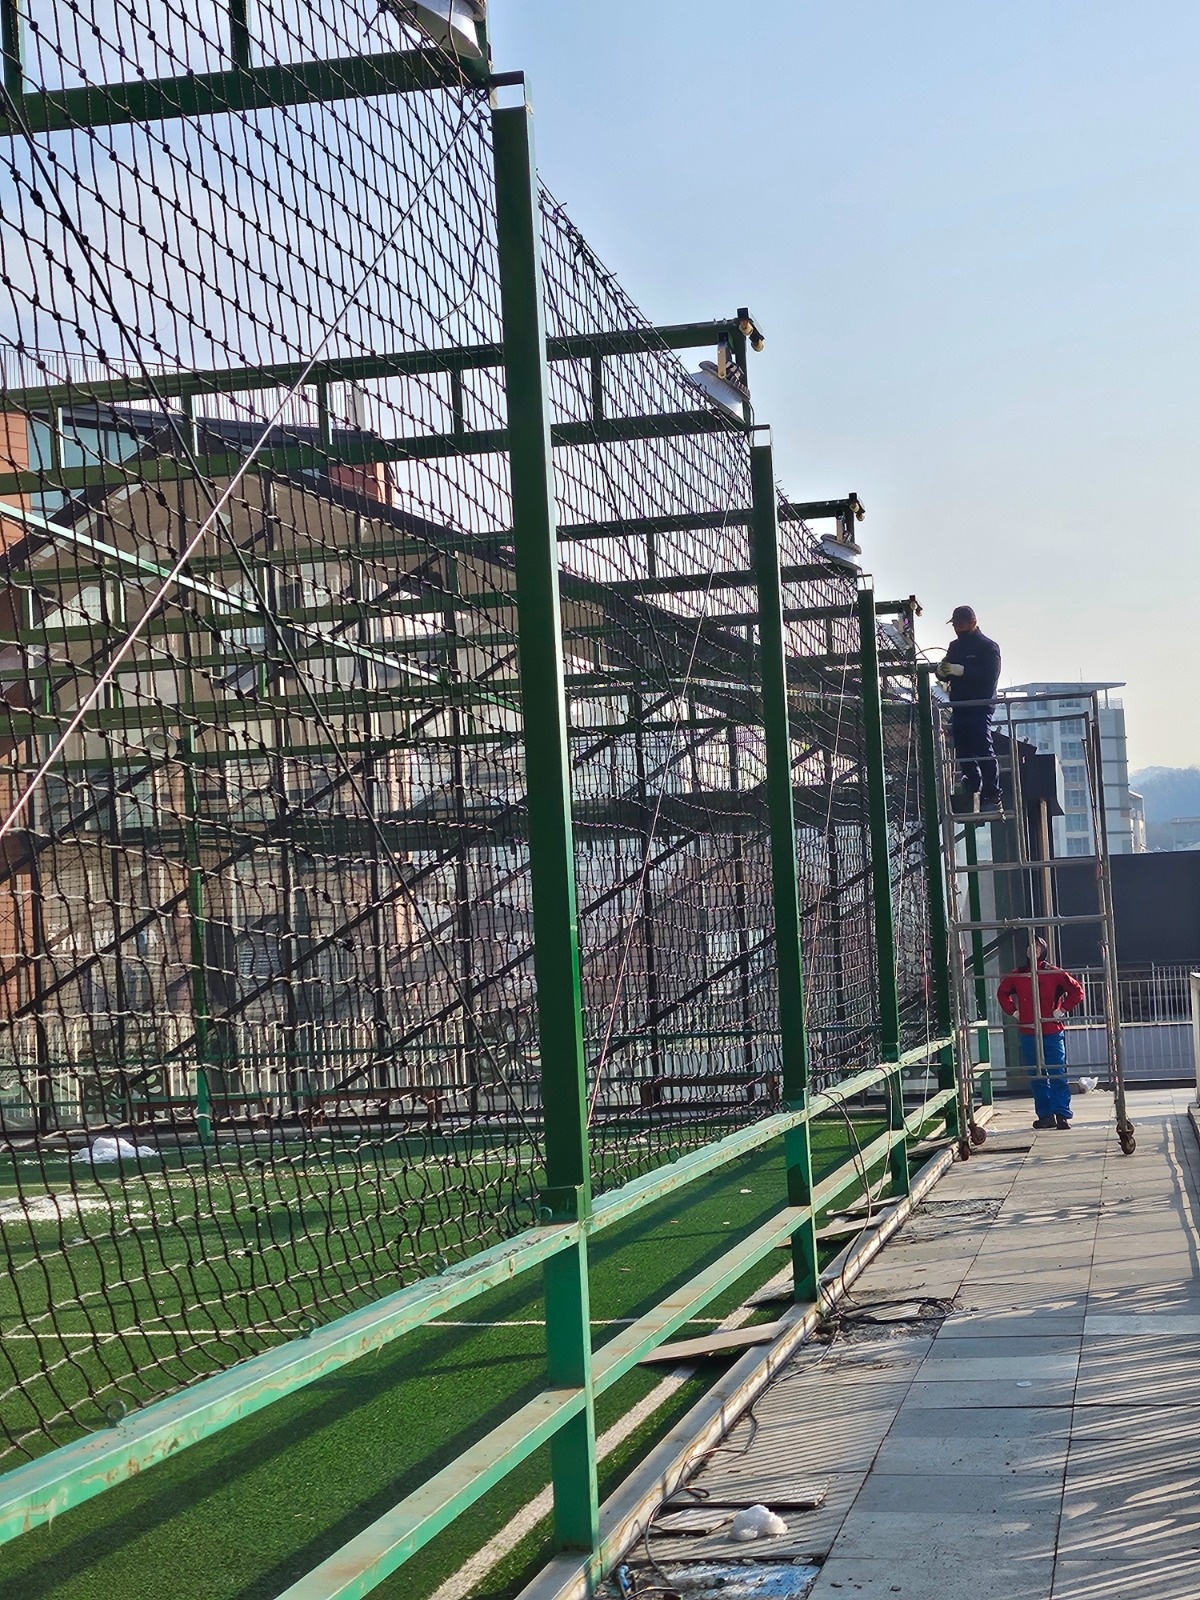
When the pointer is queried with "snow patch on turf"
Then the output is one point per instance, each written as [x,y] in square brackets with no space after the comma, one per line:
[57,1207]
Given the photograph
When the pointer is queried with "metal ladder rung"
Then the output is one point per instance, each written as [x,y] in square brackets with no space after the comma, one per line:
[1022,866]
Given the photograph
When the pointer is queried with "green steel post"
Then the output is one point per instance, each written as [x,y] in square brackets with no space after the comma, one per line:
[881,878]
[567,1195]
[12,47]
[935,870]
[239,32]
[199,953]
[978,966]
[789,953]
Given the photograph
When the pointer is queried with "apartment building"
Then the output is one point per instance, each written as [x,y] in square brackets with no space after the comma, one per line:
[1062,734]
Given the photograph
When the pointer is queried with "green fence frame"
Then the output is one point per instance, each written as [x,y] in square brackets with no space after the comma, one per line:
[563,1413]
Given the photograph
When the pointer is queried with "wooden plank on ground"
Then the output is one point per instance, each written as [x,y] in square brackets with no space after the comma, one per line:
[715,1344]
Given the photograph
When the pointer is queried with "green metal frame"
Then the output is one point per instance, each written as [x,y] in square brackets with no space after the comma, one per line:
[563,1413]
[935,869]
[567,1195]
[881,873]
[789,955]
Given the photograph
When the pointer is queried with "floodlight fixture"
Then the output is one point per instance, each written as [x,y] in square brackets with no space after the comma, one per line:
[751,329]
[450,24]
[722,387]
[841,546]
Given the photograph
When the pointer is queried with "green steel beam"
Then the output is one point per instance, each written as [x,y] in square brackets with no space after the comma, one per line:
[935,871]
[357,451]
[366,369]
[44,1489]
[236,91]
[785,872]
[567,1194]
[881,871]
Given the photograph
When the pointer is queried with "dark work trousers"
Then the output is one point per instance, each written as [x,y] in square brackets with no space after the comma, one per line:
[971,728]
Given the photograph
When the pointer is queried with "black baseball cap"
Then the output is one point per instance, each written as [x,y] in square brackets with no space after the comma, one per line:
[962,614]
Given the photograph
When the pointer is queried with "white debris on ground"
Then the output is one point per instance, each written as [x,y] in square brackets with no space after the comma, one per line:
[757,1522]
[104,1150]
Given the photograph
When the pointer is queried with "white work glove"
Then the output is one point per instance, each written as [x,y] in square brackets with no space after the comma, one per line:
[1059,1014]
[955,669]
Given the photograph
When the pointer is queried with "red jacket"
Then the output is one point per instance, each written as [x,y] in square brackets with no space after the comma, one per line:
[1057,990]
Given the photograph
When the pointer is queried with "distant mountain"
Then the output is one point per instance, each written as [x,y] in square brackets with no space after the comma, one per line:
[1168,791]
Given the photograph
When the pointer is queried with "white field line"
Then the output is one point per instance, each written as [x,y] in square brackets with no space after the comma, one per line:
[462,1584]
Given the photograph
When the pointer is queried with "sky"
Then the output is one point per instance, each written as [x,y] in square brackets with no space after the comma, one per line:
[971,235]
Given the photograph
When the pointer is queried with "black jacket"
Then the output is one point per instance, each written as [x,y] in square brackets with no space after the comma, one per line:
[981,657]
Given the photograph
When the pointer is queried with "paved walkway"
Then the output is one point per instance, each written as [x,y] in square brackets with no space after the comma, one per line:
[1012,1406]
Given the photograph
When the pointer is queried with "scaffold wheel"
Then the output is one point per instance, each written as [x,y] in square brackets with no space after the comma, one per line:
[964,1149]
[978,1134]
[1126,1140]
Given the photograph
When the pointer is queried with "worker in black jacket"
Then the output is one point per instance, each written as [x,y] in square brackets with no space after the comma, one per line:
[971,671]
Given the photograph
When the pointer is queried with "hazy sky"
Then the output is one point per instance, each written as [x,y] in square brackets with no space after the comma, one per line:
[971,232]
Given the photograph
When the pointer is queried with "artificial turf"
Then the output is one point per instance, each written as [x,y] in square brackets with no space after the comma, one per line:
[246,1512]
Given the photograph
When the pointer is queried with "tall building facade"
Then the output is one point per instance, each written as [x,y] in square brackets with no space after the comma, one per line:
[1062,735]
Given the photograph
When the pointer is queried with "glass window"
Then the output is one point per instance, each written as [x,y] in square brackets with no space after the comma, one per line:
[1077,822]
[1075,799]
[1077,847]
[1072,749]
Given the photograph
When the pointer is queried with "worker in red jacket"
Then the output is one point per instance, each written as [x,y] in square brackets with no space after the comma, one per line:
[1058,993]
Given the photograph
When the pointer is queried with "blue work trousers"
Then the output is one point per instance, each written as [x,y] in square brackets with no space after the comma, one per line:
[971,730]
[1051,1093]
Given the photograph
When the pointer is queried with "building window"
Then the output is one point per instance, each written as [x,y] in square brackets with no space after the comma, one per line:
[1077,822]
[1075,799]
[1077,847]
[1072,749]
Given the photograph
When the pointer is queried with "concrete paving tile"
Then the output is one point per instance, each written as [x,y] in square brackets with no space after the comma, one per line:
[1040,1369]
[992,1440]
[1130,1381]
[1003,1266]
[909,1540]
[1161,1272]
[950,1345]
[1149,1428]
[964,1324]
[1107,1324]
[1006,1496]
[1156,1298]
[1012,1295]
[994,1392]
[1126,1515]
[1139,1457]
[939,1575]
[1126,1577]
